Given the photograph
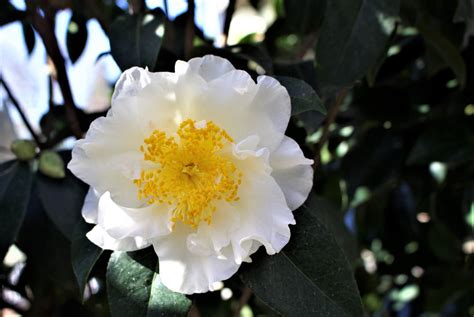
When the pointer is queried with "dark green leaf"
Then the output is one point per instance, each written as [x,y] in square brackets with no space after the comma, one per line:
[445,48]
[28,35]
[15,186]
[135,40]
[62,199]
[451,141]
[9,14]
[333,218]
[464,11]
[310,277]
[134,287]
[84,254]
[304,16]
[303,97]
[353,35]
[76,37]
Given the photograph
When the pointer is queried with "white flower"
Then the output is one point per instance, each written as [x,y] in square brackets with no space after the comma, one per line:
[196,164]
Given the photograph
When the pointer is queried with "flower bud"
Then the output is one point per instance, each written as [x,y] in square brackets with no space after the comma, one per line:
[51,164]
[24,150]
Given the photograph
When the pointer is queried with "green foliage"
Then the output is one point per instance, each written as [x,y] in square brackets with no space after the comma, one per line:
[15,186]
[353,35]
[311,276]
[84,254]
[134,287]
[303,97]
[135,40]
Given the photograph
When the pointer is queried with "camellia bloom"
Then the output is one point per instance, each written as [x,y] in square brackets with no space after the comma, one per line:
[196,164]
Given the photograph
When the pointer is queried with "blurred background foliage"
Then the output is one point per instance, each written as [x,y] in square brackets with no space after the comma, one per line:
[383,96]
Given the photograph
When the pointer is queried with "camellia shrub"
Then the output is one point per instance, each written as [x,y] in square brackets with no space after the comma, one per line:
[321,165]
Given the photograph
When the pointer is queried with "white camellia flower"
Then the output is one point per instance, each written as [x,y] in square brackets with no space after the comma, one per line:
[196,164]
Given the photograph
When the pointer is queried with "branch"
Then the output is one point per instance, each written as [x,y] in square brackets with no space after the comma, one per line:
[244,298]
[229,12]
[22,114]
[308,43]
[46,33]
[98,13]
[165,4]
[136,6]
[189,36]
[331,117]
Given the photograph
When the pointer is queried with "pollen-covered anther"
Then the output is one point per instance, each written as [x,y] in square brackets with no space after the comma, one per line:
[192,171]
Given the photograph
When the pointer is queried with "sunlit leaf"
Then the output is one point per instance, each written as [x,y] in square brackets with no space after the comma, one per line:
[303,97]
[310,277]
[134,288]
[135,40]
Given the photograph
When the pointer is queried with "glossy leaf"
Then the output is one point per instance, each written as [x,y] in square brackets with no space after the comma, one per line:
[76,37]
[310,277]
[446,50]
[303,97]
[62,199]
[353,36]
[84,254]
[15,185]
[304,16]
[451,141]
[134,287]
[135,40]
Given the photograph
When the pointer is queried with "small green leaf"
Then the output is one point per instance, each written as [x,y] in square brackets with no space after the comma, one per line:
[310,277]
[134,288]
[51,164]
[24,150]
[84,254]
[16,179]
[135,40]
[303,97]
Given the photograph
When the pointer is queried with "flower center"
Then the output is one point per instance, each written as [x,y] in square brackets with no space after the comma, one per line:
[191,171]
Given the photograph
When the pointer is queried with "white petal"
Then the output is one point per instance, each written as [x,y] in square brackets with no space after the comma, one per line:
[90,209]
[274,101]
[292,171]
[210,67]
[185,272]
[233,100]
[131,82]
[264,217]
[99,237]
[260,217]
[120,222]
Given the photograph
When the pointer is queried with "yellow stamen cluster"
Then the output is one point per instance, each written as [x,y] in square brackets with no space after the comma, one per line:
[191,171]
